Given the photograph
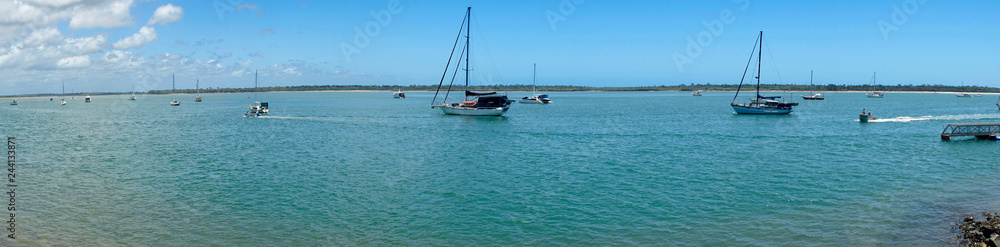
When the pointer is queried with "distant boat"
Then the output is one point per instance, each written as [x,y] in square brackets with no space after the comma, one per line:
[535,98]
[760,105]
[13,102]
[133,93]
[63,100]
[257,107]
[475,104]
[874,94]
[696,93]
[812,96]
[86,99]
[197,98]
[399,94]
[173,92]
[963,95]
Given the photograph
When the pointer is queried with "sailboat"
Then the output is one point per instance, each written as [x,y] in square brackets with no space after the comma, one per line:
[399,94]
[475,104]
[535,98]
[63,100]
[874,94]
[133,93]
[174,86]
[761,105]
[812,96]
[257,107]
[197,98]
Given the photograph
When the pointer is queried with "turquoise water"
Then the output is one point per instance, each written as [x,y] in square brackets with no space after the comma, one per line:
[594,168]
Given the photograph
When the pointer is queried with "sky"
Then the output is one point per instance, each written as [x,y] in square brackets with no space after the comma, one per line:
[115,45]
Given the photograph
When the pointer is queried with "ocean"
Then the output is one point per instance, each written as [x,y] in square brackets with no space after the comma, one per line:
[593,168]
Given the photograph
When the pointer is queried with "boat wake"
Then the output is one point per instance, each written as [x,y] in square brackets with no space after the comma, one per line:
[930,118]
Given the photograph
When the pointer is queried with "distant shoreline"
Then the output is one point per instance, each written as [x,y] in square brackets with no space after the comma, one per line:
[830,88]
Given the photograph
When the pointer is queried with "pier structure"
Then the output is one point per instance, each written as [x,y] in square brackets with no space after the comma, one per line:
[979,130]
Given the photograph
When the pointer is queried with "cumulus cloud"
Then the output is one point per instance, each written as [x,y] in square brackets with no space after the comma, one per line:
[144,36]
[106,14]
[166,14]
[43,36]
[266,31]
[74,62]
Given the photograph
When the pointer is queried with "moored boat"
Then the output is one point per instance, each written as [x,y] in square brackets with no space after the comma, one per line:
[475,103]
[761,105]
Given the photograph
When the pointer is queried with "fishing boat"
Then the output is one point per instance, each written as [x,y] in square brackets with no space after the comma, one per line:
[197,97]
[761,105]
[475,103]
[873,93]
[173,85]
[812,96]
[535,98]
[864,118]
[13,102]
[696,93]
[257,107]
[399,94]
[86,99]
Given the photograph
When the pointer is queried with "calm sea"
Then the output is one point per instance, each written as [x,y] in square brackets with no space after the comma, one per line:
[594,168]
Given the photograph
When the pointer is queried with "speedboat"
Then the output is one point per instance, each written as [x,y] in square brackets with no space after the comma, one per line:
[13,102]
[536,99]
[86,99]
[813,97]
[864,118]
[399,94]
[963,95]
[696,93]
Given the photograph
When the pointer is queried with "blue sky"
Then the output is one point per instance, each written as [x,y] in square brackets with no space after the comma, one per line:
[112,45]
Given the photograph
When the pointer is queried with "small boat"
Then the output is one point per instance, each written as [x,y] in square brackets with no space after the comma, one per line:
[13,102]
[399,94]
[86,99]
[963,95]
[133,93]
[812,96]
[197,98]
[250,114]
[535,98]
[475,104]
[63,100]
[174,86]
[864,118]
[978,95]
[874,94]
[257,107]
[696,93]
[761,105]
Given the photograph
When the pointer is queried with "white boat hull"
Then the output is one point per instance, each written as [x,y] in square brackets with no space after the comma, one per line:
[473,111]
[875,95]
[754,109]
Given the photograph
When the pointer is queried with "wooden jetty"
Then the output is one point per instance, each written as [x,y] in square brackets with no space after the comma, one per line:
[979,130]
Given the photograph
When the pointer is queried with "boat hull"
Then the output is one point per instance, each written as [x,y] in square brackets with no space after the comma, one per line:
[875,95]
[473,111]
[864,118]
[760,110]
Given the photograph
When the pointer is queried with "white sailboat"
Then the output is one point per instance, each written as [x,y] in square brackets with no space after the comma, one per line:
[63,100]
[760,105]
[174,87]
[812,96]
[133,93]
[257,107]
[535,98]
[197,98]
[874,94]
[475,104]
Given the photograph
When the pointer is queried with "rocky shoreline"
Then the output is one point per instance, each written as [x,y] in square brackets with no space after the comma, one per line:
[984,232]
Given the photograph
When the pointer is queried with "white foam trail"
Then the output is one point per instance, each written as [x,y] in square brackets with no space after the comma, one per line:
[946,117]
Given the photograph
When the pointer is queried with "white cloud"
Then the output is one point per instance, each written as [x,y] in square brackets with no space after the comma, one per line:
[106,14]
[144,36]
[74,62]
[166,14]
[43,36]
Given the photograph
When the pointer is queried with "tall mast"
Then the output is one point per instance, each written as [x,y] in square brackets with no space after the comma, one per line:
[758,62]
[534,69]
[255,86]
[174,86]
[468,16]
